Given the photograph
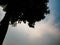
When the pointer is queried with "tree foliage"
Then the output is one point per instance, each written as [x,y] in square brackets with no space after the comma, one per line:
[25,10]
[22,10]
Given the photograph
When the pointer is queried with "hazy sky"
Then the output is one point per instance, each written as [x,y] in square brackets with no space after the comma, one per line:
[46,32]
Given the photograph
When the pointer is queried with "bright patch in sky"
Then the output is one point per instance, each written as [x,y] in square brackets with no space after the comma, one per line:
[1,13]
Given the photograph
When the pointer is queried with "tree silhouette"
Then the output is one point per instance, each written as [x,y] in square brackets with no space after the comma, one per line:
[22,10]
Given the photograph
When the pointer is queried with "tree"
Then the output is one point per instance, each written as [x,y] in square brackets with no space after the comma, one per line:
[22,10]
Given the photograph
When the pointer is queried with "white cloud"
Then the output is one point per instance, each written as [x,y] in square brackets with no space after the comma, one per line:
[2,13]
[44,33]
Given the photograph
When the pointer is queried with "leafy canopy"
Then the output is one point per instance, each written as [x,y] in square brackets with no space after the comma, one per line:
[25,10]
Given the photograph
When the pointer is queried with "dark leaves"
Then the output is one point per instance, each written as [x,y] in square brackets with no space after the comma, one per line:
[25,10]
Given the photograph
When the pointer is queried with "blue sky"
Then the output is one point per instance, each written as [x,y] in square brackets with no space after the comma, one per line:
[55,8]
[46,32]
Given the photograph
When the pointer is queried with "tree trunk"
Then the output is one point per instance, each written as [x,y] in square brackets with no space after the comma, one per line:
[3,28]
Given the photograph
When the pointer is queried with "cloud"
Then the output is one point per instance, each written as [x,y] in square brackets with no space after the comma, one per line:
[50,32]
[2,13]
[44,33]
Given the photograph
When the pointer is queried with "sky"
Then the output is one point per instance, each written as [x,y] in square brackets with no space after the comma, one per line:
[46,32]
